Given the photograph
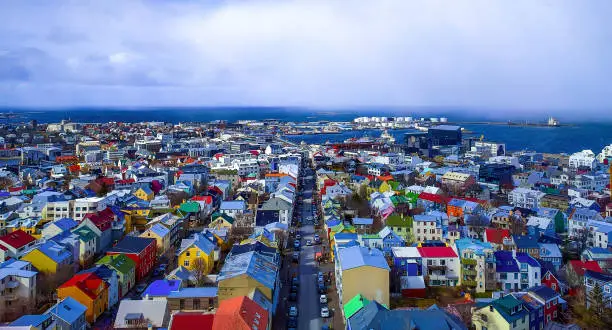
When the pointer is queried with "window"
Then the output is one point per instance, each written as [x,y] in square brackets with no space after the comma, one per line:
[555,314]
[182,304]
[198,254]
[554,286]
[516,276]
[196,303]
[187,254]
[607,289]
[186,263]
[548,276]
[442,262]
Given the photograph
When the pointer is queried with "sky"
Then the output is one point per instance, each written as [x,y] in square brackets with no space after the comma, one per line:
[520,56]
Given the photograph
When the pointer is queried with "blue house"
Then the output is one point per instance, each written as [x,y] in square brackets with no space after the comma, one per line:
[68,314]
[552,254]
[407,261]
[161,288]
[538,226]
[390,240]
[592,278]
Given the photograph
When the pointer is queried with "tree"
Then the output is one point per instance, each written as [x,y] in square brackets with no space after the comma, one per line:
[176,197]
[199,271]
[595,300]
[5,182]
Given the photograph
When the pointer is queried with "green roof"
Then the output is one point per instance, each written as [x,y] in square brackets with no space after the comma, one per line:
[225,217]
[85,234]
[190,207]
[394,184]
[370,236]
[395,220]
[120,262]
[354,305]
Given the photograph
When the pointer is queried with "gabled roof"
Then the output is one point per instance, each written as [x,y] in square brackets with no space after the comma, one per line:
[251,264]
[495,235]
[543,292]
[354,305]
[56,252]
[505,262]
[68,310]
[437,252]
[197,292]
[192,321]
[200,241]
[120,262]
[155,311]
[89,283]
[358,256]
[159,230]
[240,313]
[30,321]
[525,242]
[17,239]
[581,266]
[132,244]
[161,288]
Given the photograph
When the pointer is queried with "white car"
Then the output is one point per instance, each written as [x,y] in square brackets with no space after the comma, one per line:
[324,311]
[323,299]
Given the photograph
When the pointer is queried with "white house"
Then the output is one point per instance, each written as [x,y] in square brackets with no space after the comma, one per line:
[526,198]
[440,265]
[584,158]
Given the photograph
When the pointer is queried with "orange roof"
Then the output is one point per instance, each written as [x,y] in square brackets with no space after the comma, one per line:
[240,313]
[385,178]
[275,175]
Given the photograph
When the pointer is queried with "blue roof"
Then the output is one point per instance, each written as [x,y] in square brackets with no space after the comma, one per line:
[55,251]
[473,244]
[204,292]
[251,264]
[525,242]
[30,320]
[526,258]
[132,244]
[424,217]
[544,292]
[358,256]
[159,230]
[345,236]
[65,224]
[333,223]
[232,205]
[505,263]
[162,288]
[68,310]
[363,221]
[598,250]
[550,250]
[456,202]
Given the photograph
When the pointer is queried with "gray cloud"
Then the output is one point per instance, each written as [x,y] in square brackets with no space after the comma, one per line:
[521,55]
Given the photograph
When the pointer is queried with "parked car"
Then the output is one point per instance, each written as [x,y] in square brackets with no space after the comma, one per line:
[317,239]
[294,288]
[309,242]
[323,299]
[293,296]
[296,257]
[324,311]
[322,289]
[293,311]
[295,281]
[298,237]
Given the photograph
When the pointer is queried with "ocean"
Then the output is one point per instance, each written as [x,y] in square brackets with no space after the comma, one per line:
[566,139]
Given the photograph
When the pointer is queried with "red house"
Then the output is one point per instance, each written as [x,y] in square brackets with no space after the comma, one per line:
[550,299]
[549,279]
[141,250]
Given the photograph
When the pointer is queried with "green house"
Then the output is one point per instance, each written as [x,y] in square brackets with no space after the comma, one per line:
[401,225]
[126,270]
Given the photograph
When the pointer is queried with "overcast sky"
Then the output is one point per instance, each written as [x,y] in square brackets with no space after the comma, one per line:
[521,54]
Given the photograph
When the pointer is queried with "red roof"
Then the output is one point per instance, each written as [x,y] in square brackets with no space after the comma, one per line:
[102,219]
[205,199]
[437,252]
[432,197]
[192,321]
[240,313]
[17,239]
[581,266]
[89,283]
[15,189]
[494,235]
[254,152]
[126,181]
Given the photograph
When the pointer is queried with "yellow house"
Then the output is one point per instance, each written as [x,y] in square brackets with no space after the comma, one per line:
[243,273]
[145,193]
[50,257]
[196,248]
[220,221]
[506,313]
[363,271]
[161,235]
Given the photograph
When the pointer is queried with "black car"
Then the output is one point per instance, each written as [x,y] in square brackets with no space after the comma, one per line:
[322,289]
[295,281]
[292,322]
[293,296]
[296,257]
[294,288]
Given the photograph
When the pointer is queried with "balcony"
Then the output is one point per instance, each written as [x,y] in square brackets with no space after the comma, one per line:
[12,284]
[469,272]
[466,261]
[469,283]
[436,267]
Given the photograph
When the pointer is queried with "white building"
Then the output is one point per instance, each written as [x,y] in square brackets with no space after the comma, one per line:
[440,265]
[82,206]
[17,284]
[525,198]
[584,158]
[606,152]
[426,227]
[505,160]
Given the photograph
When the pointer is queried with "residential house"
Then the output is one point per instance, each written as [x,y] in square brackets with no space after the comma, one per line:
[17,286]
[109,275]
[527,244]
[161,234]
[357,265]
[33,322]
[440,265]
[247,271]
[101,223]
[241,313]
[193,299]
[51,257]
[402,226]
[525,198]
[282,206]
[458,181]
[507,312]
[389,240]
[591,279]
[426,227]
[221,220]
[497,237]
[538,226]
[549,299]
[199,247]
[142,251]
[125,268]
[477,264]
[87,245]
[233,208]
[551,253]
[15,244]
[150,314]
[160,289]
[69,314]
[600,255]
[145,193]
[57,227]
[90,291]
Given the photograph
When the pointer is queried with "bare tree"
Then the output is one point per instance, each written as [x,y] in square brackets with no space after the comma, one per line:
[5,183]
[176,197]
[199,270]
